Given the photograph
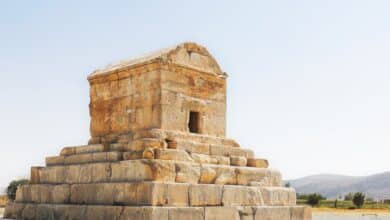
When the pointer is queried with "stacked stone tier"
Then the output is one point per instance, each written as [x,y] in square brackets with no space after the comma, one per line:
[97,212]
[155,194]
[155,170]
[156,175]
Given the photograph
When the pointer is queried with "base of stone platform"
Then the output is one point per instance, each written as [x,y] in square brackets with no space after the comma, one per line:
[96,212]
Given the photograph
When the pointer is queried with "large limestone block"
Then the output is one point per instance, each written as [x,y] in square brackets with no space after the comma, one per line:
[107,157]
[146,170]
[172,134]
[85,158]
[230,151]
[42,193]
[238,161]
[218,213]
[186,214]
[86,173]
[225,175]
[60,194]
[160,194]
[177,195]
[210,159]
[260,163]
[67,151]
[144,213]
[207,174]
[258,176]
[14,210]
[29,212]
[192,146]
[218,174]
[55,160]
[140,194]
[147,153]
[34,175]
[278,196]
[172,154]
[241,196]
[301,213]
[205,195]
[246,213]
[103,212]
[142,144]
[187,173]
[54,175]
[44,212]
[78,159]
[272,213]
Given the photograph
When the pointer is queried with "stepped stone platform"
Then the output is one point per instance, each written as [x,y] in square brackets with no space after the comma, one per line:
[157,151]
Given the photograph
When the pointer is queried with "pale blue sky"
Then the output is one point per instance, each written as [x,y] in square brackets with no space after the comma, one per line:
[308,86]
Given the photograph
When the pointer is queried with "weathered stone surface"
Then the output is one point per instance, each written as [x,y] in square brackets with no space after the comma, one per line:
[260,163]
[272,213]
[203,158]
[246,213]
[29,211]
[60,194]
[186,213]
[192,146]
[210,159]
[226,175]
[300,213]
[103,213]
[172,154]
[141,194]
[221,150]
[238,161]
[43,193]
[67,151]
[144,143]
[96,212]
[205,195]
[137,170]
[278,196]
[187,173]
[144,213]
[34,175]
[207,175]
[225,213]
[14,210]
[147,153]
[241,196]
[52,174]
[258,176]
[55,160]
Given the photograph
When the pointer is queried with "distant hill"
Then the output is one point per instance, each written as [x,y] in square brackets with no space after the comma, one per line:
[375,186]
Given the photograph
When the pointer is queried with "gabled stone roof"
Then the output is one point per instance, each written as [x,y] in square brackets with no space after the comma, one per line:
[187,54]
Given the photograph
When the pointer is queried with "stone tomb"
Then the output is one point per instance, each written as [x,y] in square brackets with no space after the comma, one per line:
[157,151]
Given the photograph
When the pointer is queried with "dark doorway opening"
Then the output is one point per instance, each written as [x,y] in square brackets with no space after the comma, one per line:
[193,123]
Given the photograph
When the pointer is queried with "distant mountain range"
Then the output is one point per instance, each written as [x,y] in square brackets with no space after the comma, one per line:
[332,186]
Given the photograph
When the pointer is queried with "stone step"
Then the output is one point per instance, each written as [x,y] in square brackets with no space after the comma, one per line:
[157,170]
[83,149]
[257,162]
[99,212]
[210,149]
[176,135]
[176,155]
[84,158]
[188,145]
[156,194]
